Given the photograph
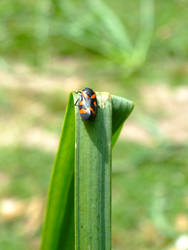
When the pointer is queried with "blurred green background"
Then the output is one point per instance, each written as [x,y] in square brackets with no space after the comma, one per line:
[136,49]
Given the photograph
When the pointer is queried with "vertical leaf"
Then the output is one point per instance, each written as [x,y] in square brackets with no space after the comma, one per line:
[86,147]
[58,228]
[93,178]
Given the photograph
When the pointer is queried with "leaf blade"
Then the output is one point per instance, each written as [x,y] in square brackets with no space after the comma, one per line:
[91,147]
[58,220]
[93,179]
[121,109]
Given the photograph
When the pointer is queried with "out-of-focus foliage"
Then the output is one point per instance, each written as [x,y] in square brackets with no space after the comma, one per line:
[121,31]
[95,26]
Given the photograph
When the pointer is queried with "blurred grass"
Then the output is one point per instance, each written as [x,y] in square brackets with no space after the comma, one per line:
[34,30]
[28,169]
[141,178]
[149,177]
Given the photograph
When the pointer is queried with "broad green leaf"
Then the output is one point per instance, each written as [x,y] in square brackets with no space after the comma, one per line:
[93,181]
[58,229]
[121,109]
[78,213]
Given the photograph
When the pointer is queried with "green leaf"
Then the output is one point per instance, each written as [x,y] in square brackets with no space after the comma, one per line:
[121,109]
[93,182]
[85,146]
[58,229]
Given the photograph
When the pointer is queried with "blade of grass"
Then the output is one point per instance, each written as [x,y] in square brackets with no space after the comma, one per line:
[93,172]
[95,26]
[121,109]
[58,227]
[93,178]
[115,30]
[90,153]
[146,32]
